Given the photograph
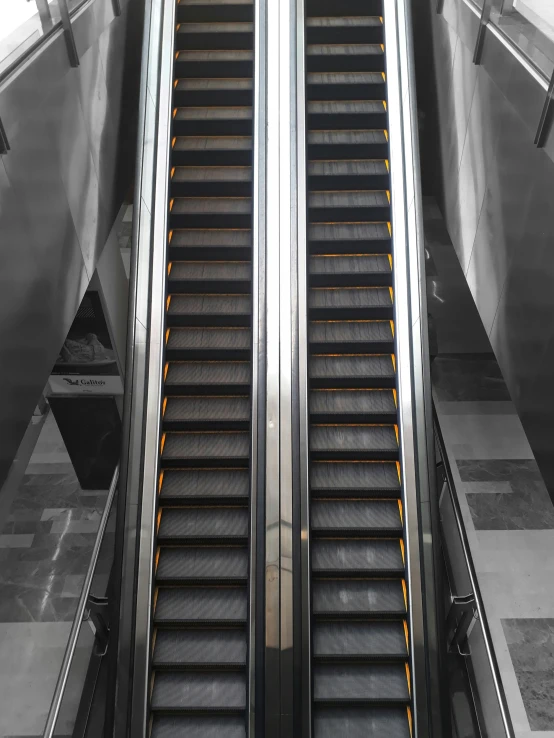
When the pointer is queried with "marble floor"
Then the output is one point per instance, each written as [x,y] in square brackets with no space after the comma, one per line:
[46,539]
[507,511]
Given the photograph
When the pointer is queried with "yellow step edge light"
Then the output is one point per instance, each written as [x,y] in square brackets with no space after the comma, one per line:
[401,541]
[386,134]
[400,511]
[167,335]
[169,267]
[382,47]
[388,196]
[392,327]
[166,369]
[410,720]
[164,406]
[390,260]
[385,104]
[395,398]
[390,228]
[393,359]
[398,472]
[161,481]
[407,636]
[170,236]
[387,165]
[391,294]
[405,592]
[162,444]
[408,678]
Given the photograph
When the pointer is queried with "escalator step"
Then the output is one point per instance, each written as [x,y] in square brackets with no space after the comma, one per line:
[329,114]
[204,11]
[348,206]
[358,598]
[197,648]
[210,277]
[352,371]
[216,91]
[194,564]
[211,212]
[346,57]
[198,692]
[351,441]
[208,343]
[355,478]
[207,447]
[343,8]
[375,405]
[211,181]
[359,640]
[212,151]
[207,376]
[203,525]
[349,238]
[348,174]
[354,557]
[357,683]
[358,29]
[207,413]
[185,726]
[350,336]
[221,35]
[201,605]
[356,268]
[346,86]
[355,517]
[207,486]
[357,144]
[215,243]
[360,723]
[214,63]
[350,303]
[209,310]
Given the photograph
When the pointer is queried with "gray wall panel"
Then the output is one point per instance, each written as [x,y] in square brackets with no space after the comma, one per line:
[498,207]
[61,186]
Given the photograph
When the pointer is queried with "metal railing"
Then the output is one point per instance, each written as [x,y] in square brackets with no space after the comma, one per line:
[86,601]
[468,633]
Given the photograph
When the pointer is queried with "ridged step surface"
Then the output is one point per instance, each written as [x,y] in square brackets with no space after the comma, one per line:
[360,637]
[202,557]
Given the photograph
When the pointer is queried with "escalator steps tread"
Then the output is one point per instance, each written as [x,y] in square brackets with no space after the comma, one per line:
[356,167]
[339,367]
[209,338]
[212,143]
[360,683]
[230,726]
[365,402]
[201,605]
[211,205]
[228,27]
[370,264]
[201,563]
[364,297]
[190,445]
[359,639]
[211,55]
[356,233]
[200,647]
[341,22]
[225,113]
[355,515]
[362,332]
[205,484]
[207,305]
[344,49]
[344,137]
[209,523]
[354,477]
[207,408]
[344,199]
[358,598]
[364,556]
[199,691]
[370,438]
[344,78]
[345,107]
[224,237]
[208,372]
[360,723]
[210,270]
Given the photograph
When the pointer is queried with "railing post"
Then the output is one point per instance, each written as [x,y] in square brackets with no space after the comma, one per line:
[546,116]
[4,144]
[68,33]
[485,17]
[116,5]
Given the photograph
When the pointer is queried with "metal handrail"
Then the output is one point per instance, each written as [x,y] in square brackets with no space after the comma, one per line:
[67,662]
[495,671]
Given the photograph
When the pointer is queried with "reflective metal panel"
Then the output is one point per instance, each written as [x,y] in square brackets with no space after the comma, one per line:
[59,188]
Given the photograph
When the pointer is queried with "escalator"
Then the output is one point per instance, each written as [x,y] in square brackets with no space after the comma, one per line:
[201,591]
[361,681]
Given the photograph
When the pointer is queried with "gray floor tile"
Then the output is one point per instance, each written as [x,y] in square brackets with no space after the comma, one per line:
[531,645]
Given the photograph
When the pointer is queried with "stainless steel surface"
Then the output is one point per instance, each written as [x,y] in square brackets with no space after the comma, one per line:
[4,143]
[155,307]
[496,204]
[63,676]
[258,339]
[302,262]
[469,576]
[410,379]
[485,17]
[62,186]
